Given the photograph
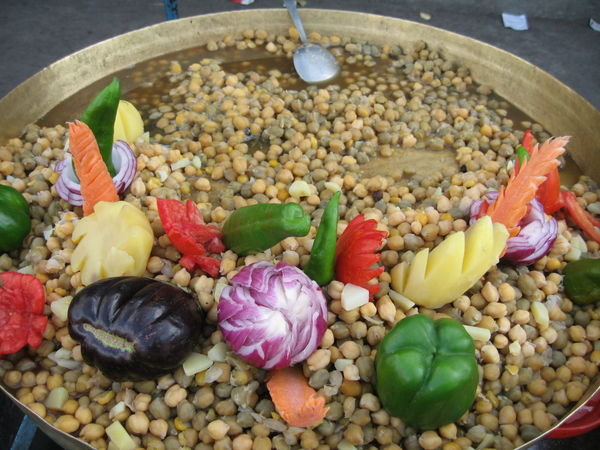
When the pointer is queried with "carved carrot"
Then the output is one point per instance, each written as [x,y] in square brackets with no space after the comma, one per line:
[297,403]
[96,183]
[511,205]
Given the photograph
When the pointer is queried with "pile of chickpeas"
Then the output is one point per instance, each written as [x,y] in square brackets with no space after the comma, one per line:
[229,135]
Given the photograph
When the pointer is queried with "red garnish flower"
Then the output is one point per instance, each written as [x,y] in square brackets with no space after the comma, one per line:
[355,253]
[190,235]
[22,322]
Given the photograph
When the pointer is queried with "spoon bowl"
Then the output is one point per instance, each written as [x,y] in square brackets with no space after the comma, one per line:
[313,63]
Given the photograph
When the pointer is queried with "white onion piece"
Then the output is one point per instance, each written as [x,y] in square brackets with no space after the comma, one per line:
[354,297]
[123,159]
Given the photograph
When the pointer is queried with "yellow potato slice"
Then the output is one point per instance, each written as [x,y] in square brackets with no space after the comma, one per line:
[436,278]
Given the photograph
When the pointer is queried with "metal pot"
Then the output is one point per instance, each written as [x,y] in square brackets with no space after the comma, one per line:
[68,81]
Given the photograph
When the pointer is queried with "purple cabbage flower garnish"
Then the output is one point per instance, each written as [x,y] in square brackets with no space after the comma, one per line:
[272,316]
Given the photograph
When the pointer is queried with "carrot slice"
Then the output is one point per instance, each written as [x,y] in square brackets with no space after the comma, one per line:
[511,205]
[297,403]
[95,181]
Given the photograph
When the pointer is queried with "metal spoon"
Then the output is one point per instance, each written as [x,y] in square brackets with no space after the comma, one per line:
[313,63]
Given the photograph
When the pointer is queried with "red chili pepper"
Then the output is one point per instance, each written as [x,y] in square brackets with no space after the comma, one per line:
[548,194]
[22,322]
[580,216]
[527,141]
[355,253]
[189,234]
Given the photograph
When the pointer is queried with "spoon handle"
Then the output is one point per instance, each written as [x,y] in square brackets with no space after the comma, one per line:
[291,7]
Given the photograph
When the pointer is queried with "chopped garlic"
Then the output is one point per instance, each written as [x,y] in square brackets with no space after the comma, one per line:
[197,162]
[574,254]
[299,189]
[27,270]
[116,410]
[578,243]
[162,175]
[400,300]
[60,307]
[331,186]
[196,362]
[341,363]
[48,232]
[120,437]
[57,398]
[478,333]
[354,297]
[184,162]
[219,286]
[218,352]
[540,315]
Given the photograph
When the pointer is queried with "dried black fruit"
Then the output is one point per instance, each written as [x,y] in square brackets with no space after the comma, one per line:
[134,328]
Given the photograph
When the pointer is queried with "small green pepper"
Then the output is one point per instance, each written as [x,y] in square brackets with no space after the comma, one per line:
[256,228]
[321,265]
[582,281]
[426,372]
[100,116]
[15,222]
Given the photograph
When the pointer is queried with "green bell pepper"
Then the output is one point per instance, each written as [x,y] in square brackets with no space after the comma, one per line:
[426,372]
[321,265]
[582,281]
[256,228]
[15,222]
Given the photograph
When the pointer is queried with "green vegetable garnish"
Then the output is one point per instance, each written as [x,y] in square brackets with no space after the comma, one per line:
[582,281]
[426,371]
[256,228]
[522,154]
[100,117]
[321,265]
[15,222]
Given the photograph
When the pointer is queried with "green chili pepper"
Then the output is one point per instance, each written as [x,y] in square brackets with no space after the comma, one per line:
[100,116]
[582,281]
[522,154]
[257,228]
[321,265]
[426,371]
[15,222]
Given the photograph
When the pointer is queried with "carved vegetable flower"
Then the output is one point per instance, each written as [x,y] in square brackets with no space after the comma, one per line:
[273,316]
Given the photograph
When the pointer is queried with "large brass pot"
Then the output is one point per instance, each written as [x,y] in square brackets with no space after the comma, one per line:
[539,95]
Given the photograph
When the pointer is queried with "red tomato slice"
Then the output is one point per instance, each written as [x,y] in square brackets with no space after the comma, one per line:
[189,234]
[22,322]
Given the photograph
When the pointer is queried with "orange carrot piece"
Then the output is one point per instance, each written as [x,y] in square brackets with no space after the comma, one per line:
[297,403]
[95,181]
[511,205]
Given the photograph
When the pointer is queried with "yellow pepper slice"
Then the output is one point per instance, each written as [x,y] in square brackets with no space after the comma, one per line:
[115,240]
[128,124]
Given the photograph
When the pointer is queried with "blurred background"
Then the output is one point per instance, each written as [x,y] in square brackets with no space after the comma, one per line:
[34,34]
